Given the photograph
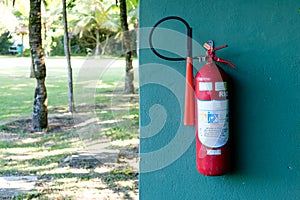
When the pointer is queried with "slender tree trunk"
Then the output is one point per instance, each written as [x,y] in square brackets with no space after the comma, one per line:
[40,111]
[105,44]
[45,39]
[129,87]
[98,43]
[31,75]
[68,56]
[22,50]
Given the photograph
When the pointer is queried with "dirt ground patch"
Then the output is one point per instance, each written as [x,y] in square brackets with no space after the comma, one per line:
[62,164]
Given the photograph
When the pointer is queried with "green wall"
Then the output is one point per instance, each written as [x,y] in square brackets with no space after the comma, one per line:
[264,45]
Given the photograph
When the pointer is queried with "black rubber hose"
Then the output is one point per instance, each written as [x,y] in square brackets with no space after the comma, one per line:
[188,34]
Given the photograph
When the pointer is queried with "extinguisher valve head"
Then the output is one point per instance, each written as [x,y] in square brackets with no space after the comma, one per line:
[210,54]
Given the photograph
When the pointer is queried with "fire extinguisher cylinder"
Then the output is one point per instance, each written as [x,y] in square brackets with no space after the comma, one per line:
[212,116]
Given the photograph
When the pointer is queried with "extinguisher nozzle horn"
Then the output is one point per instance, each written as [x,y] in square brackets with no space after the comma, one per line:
[189,115]
[189,108]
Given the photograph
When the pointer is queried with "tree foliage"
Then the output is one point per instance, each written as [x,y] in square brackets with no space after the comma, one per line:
[96,21]
[91,24]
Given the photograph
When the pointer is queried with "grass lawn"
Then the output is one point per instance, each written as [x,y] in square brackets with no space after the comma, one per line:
[47,154]
[17,89]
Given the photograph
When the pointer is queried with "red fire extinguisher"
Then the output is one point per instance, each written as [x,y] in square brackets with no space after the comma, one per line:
[212,116]
[207,106]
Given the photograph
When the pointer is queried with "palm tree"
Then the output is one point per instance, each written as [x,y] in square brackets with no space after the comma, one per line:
[129,76]
[40,111]
[94,19]
[8,21]
[68,56]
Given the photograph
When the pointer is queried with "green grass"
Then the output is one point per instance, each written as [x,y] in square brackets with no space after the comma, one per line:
[29,154]
[25,153]
[17,89]
[12,105]
[17,92]
[121,115]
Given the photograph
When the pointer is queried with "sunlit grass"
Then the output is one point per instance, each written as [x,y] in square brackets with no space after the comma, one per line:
[119,116]
[43,154]
[17,95]
[33,156]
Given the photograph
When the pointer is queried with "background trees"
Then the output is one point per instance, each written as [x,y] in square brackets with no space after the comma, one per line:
[129,87]
[96,22]
[68,57]
[94,25]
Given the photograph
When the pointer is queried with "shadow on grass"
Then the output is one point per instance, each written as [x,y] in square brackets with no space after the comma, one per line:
[111,182]
[119,115]
[47,155]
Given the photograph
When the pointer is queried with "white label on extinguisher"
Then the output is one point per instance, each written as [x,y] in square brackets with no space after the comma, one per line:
[205,86]
[213,129]
[220,86]
[213,151]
